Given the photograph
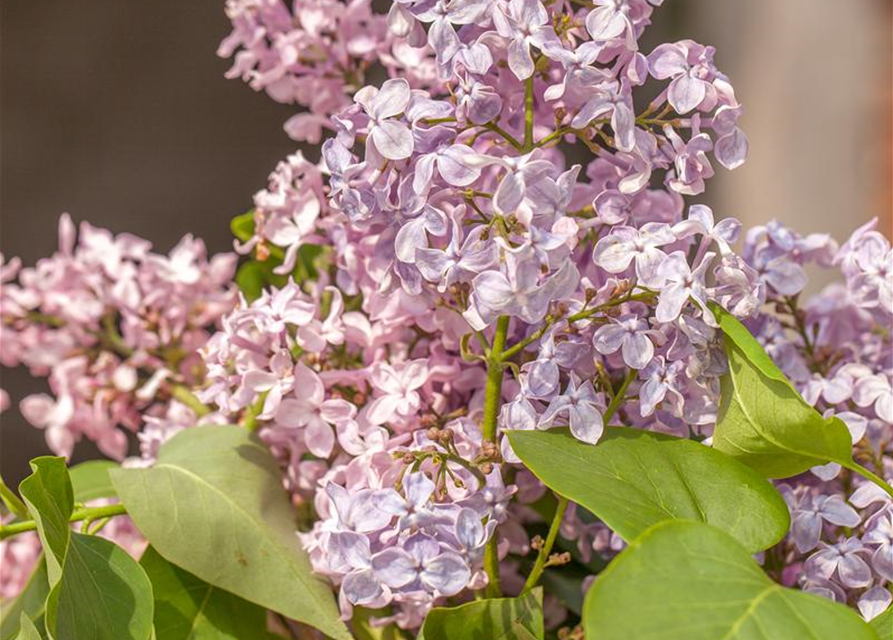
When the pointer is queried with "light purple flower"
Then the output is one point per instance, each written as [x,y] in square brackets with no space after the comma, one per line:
[398,386]
[843,558]
[680,284]
[880,533]
[525,23]
[630,334]
[518,292]
[616,99]
[388,137]
[615,252]
[580,404]
[609,19]
[690,65]
[874,602]
[692,164]
[808,512]
[875,390]
[661,379]
[700,222]
[420,561]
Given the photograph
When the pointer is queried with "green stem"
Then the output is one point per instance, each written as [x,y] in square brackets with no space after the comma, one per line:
[12,501]
[249,418]
[617,400]
[86,513]
[492,398]
[495,128]
[528,115]
[546,549]
[185,396]
[493,389]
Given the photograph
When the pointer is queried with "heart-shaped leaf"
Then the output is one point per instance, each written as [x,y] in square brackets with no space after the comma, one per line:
[764,422]
[691,581]
[633,479]
[50,499]
[494,619]
[97,591]
[214,505]
[188,608]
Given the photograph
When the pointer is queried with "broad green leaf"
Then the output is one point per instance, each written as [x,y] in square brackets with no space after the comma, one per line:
[97,591]
[633,479]
[494,619]
[27,630]
[763,421]
[31,602]
[90,480]
[50,499]
[883,624]
[103,594]
[214,505]
[691,581]
[188,608]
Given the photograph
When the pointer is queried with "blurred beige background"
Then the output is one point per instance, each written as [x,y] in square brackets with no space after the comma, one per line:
[117,111]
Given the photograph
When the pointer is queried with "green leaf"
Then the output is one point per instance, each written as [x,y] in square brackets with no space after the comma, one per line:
[31,602]
[763,421]
[188,608]
[252,277]
[90,480]
[633,479]
[494,619]
[691,581]
[883,624]
[97,591]
[242,226]
[50,499]
[103,594]
[214,505]
[27,630]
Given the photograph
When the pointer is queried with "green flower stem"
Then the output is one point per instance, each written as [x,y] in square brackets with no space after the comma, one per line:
[546,549]
[185,396]
[86,513]
[492,398]
[618,398]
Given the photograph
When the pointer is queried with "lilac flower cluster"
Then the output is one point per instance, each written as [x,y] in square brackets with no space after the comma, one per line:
[115,328]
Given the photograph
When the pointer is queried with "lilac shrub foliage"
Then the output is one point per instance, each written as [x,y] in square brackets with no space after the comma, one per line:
[504,235]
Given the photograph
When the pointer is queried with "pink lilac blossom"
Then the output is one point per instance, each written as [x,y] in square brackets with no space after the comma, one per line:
[114,328]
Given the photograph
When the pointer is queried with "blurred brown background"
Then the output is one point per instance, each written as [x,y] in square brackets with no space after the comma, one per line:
[117,111]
